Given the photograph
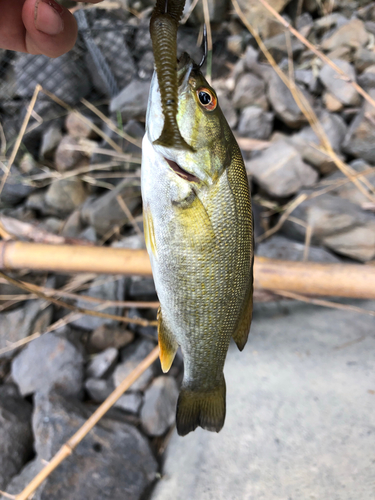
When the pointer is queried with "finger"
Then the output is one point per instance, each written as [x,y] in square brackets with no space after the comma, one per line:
[50,28]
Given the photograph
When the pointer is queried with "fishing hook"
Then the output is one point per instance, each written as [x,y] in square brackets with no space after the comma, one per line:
[204,45]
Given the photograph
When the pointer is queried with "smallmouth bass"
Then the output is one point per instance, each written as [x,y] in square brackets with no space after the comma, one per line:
[198,231]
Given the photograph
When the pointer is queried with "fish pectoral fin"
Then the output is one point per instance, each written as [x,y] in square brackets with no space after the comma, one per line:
[241,333]
[201,408]
[167,344]
[149,231]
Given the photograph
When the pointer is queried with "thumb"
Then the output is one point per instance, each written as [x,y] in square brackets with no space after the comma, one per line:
[50,28]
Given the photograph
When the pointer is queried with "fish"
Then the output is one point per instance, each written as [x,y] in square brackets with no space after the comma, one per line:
[199,237]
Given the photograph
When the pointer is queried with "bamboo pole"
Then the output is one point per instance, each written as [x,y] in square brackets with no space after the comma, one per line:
[312,278]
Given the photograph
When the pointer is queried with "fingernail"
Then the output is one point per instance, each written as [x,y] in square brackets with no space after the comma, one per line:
[48,17]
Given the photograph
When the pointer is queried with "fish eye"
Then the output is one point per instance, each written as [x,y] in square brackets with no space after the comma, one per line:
[207,98]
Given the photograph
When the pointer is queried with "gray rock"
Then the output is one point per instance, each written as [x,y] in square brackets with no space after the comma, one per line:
[360,139]
[341,89]
[159,408]
[65,195]
[364,58]
[283,102]
[73,225]
[299,414]
[134,242]
[278,47]
[105,288]
[88,234]
[281,248]
[113,461]
[352,34]
[226,107]
[129,402]
[79,128]
[280,170]
[50,140]
[21,322]
[131,102]
[19,481]
[255,123]
[249,91]
[142,289]
[15,189]
[102,363]
[146,65]
[367,78]
[258,16]
[99,389]
[307,142]
[337,224]
[16,440]
[65,157]
[217,11]
[50,360]
[105,212]
[105,336]
[348,190]
[132,356]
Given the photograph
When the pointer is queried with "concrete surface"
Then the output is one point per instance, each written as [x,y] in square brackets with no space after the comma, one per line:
[300,414]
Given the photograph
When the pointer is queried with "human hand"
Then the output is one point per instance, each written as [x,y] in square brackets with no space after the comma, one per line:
[37,27]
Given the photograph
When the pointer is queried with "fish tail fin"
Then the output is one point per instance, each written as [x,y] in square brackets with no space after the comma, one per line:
[201,408]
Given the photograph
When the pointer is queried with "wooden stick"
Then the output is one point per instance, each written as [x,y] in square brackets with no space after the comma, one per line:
[311,278]
[69,446]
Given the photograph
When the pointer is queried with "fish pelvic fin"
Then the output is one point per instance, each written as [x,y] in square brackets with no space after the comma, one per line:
[241,333]
[201,408]
[167,344]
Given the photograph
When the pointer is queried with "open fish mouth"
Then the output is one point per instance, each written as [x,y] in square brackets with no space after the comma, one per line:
[181,172]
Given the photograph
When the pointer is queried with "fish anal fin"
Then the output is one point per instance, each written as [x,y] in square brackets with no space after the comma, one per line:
[241,333]
[201,408]
[167,344]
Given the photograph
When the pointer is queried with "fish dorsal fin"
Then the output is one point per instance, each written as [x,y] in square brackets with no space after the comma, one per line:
[243,327]
[167,344]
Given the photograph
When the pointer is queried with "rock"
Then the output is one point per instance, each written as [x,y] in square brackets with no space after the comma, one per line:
[132,356]
[337,224]
[88,234]
[19,481]
[73,225]
[283,102]
[113,461]
[363,59]
[332,103]
[278,47]
[341,89]
[105,288]
[146,65]
[21,322]
[348,190]
[249,91]
[280,170]
[226,107]
[281,248]
[106,336]
[15,189]
[367,79]
[255,123]
[99,389]
[217,11]
[134,242]
[142,289]
[51,138]
[105,212]
[132,101]
[352,34]
[65,195]
[159,408]
[102,363]
[78,128]
[67,158]
[258,16]
[130,402]
[16,440]
[360,139]
[307,142]
[50,360]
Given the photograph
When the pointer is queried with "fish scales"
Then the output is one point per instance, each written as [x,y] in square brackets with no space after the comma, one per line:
[198,233]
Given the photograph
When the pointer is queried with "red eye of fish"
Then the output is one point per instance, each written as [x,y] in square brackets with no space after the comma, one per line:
[207,99]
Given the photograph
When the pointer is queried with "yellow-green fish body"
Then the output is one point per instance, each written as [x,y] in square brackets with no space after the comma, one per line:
[198,229]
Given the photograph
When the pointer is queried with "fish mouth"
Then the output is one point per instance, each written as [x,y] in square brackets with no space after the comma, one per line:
[181,172]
